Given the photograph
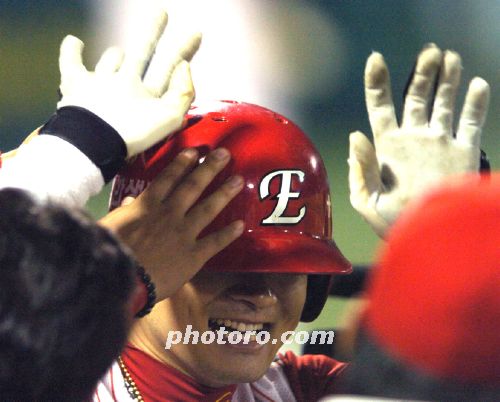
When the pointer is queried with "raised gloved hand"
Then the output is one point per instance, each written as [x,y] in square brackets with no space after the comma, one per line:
[143,94]
[123,108]
[409,158]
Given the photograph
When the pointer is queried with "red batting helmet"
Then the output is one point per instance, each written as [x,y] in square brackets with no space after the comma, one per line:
[285,202]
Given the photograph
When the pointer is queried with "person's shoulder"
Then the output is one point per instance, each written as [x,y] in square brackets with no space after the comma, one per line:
[310,376]
[317,364]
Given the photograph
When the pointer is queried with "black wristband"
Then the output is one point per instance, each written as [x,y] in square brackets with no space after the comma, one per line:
[150,287]
[100,142]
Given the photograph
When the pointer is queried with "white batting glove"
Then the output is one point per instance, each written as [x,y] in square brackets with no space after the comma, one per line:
[143,94]
[408,159]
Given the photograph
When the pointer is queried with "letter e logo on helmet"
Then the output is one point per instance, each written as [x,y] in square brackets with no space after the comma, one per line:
[276,217]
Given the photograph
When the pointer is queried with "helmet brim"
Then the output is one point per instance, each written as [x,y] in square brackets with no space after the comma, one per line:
[280,253]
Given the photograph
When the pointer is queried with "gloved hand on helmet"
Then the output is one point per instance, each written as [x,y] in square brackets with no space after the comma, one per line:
[122,108]
[407,159]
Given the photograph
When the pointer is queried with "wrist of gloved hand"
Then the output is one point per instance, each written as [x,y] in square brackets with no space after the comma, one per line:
[95,138]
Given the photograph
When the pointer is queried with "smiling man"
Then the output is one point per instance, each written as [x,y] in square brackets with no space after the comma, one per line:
[278,271]
[276,274]
[243,302]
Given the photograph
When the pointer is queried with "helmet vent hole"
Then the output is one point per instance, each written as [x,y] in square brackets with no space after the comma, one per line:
[280,119]
[219,118]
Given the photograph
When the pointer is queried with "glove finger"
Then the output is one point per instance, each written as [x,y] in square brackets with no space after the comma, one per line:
[364,174]
[364,181]
[190,46]
[474,112]
[110,61]
[417,100]
[172,108]
[70,59]
[151,22]
[444,103]
[378,96]
[181,92]
[166,59]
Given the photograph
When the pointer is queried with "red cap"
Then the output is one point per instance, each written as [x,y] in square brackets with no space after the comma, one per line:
[435,294]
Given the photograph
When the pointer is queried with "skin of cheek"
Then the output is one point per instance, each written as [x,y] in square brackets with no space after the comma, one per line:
[212,364]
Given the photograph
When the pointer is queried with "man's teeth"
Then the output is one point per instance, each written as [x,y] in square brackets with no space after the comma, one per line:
[239,326]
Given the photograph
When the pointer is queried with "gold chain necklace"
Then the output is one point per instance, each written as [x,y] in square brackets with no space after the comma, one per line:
[132,389]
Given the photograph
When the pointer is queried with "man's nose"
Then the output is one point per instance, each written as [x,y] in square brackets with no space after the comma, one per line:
[255,295]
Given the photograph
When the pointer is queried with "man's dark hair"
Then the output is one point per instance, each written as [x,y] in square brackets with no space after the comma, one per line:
[64,287]
[375,372]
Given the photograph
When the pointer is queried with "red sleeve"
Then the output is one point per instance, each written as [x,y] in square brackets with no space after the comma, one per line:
[311,377]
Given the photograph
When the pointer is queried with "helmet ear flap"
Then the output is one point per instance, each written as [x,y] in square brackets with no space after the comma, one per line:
[317,293]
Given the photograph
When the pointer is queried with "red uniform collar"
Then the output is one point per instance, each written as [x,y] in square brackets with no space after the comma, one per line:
[157,381]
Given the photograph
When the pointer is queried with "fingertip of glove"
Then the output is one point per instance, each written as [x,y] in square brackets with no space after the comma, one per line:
[192,45]
[355,134]
[361,149]
[70,37]
[429,45]
[479,84]
[375,59]
[375,55]
[357,138]
[452,56]
[429,57]
[376,72]
[479,93]
[71,41]
[197,38]
[452,67]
